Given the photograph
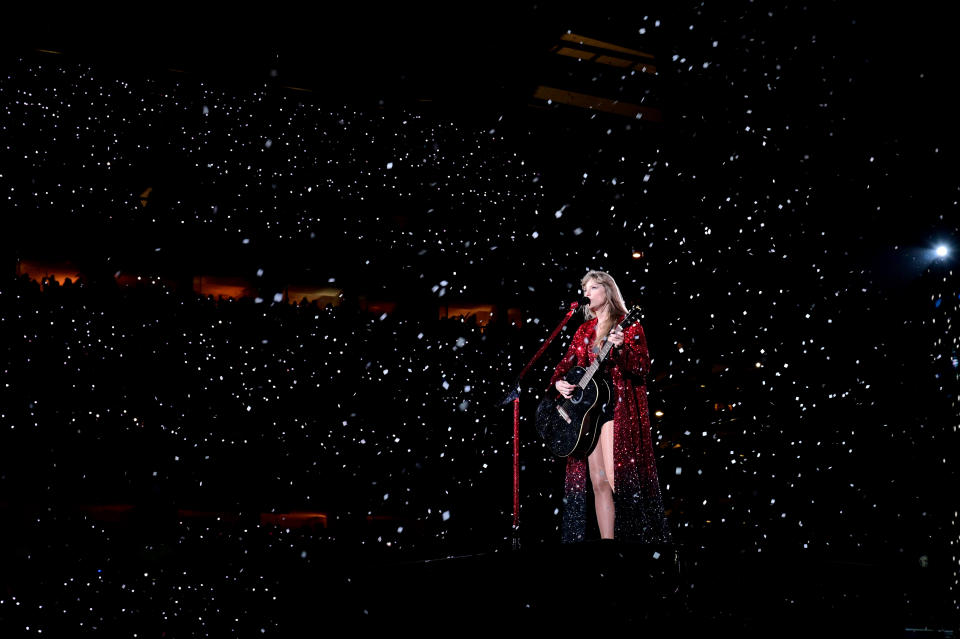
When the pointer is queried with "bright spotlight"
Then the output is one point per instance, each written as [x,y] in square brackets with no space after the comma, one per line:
[941,251]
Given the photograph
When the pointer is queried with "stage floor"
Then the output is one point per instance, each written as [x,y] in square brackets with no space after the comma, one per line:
[66,574]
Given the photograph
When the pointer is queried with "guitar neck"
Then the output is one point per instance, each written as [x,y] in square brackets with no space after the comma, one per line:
[595,366]
[629,319]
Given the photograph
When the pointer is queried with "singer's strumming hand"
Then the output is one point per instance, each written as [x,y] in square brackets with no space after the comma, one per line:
[565,388]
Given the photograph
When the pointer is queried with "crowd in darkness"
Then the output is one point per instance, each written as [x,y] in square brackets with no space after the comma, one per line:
[170,400]
[175,403]
[196,416]
[801,402]
[183,401]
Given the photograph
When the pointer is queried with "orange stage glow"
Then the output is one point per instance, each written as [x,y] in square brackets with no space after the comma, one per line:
[60,271]
[613,61]
[483,312]
[225,286]
[597,103]
[323,295]
[131,279]
[599,44]
[295,519]
[576,53]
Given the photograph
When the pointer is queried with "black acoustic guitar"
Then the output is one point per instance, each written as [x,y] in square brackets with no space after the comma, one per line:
[570,427]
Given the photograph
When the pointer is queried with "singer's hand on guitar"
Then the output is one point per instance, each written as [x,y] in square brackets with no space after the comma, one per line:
[565,388]
[616,336]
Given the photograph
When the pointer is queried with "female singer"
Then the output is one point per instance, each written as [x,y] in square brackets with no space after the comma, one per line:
[622,468]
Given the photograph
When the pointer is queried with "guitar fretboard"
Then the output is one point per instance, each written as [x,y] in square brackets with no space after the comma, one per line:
[593,368]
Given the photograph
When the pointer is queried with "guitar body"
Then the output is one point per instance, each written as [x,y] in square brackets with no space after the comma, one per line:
[570,427]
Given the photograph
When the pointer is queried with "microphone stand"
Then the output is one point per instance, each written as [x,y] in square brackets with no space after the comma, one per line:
[513,395]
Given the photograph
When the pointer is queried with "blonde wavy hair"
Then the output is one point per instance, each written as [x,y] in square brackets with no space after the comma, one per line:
[615,305]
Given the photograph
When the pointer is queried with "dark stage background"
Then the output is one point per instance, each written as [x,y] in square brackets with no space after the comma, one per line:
[309,264]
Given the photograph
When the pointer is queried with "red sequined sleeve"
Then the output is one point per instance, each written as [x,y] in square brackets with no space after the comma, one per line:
[569,360]
[633,356]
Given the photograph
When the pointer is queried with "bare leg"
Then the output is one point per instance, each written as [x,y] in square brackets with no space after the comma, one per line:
[606,440]
[602,482]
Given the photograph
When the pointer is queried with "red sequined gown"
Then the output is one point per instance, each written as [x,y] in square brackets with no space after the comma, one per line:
[638,504]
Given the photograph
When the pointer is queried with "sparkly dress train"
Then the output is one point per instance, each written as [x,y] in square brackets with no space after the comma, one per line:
[638,504]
